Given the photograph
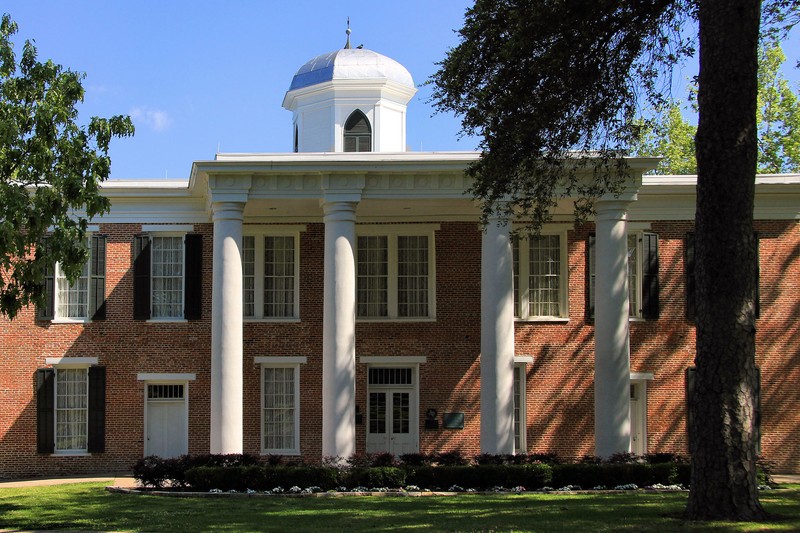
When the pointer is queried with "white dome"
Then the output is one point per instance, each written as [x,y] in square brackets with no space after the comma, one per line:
[350,64]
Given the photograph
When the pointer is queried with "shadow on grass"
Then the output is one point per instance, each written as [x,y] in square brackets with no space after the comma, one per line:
[89,507]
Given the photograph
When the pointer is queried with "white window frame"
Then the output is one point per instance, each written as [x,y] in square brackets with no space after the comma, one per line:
[635,231]
[392,233]
[160,235]
[522,308]
[57,318]
[521,363]
[281,362]
[258,235]
[70,363]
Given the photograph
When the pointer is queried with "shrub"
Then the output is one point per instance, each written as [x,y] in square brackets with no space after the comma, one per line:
[415,459]
[151,471]
[486,476]
[451,458]
[377,476]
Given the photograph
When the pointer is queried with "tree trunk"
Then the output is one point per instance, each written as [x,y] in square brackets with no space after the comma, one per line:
[723,426]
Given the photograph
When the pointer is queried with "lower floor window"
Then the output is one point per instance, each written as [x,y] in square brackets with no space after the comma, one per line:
[280,413]
[72,409]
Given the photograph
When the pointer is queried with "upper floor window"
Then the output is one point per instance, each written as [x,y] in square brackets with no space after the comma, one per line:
[270,269]
[395,273]
[167,275]
[357,133]
[642,251]
[82,299]
[540,288]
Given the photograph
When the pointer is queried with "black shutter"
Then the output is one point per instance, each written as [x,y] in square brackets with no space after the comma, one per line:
[590,271]
[97,278]
[141,277]
[45,410]
[690,373]
[193,296]
[46,311]
[650,303]
[691,311]
[97,409]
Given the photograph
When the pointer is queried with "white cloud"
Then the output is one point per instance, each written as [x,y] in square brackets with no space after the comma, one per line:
[155,119]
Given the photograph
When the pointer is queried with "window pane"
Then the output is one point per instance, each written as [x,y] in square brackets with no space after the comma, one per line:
[72,300]
[167,277]
[377,412]
[515,252]
[412,276]
[279,408]
[279,267]
[249,276]
[633,276]
[72,409]
[373,276]
[544,293]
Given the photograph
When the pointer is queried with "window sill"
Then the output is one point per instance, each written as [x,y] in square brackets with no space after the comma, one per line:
[290,320]
[281,452]
[70,321]
[542,319]
[166,321]
[383,320]
[70,454]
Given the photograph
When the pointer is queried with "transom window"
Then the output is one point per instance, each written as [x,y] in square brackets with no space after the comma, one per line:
[270,276]
[357,133]
[395,275]
[540,277]
[72,409]
[280,409]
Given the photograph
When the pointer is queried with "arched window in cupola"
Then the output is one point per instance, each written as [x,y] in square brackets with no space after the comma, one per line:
[357,133]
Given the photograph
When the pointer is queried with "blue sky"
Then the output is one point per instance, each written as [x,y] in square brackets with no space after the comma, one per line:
[201,76]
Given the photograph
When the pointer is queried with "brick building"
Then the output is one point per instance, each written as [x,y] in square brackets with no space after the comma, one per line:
[344,299]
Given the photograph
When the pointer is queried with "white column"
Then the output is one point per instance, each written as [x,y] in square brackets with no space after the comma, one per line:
[226,329]
[339,331]
[497,340]
[612,427]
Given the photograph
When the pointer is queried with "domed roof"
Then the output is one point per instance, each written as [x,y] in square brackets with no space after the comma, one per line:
[350,64]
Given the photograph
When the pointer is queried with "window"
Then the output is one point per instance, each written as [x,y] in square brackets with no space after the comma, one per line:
[167,276]
[520,418]
[85,298]
[642,275]
[357,133]
[280,409]
[270,276]
[70,409]
[539,277]
[395,274]
[690,283]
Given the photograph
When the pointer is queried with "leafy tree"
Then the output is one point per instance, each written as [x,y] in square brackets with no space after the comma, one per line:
[50,171]
[778,121]
[539,80]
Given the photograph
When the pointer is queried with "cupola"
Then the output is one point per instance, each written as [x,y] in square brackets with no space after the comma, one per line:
[350,100]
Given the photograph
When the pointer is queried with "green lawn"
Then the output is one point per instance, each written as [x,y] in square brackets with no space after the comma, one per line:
[87,506]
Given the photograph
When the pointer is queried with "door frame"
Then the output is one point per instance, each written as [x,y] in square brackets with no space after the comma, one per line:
[411,362]
[639,380]
[165,379]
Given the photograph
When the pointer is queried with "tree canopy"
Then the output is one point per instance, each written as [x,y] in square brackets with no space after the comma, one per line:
[50,170]
[554,87]
[671,135]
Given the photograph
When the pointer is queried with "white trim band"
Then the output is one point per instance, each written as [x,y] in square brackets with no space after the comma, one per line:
[74,361]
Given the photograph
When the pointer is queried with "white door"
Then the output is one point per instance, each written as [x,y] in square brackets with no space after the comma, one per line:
[392,410]
[638,419]
[166,413]
[390,428]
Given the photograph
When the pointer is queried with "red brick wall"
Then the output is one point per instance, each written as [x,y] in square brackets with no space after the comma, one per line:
[560,403]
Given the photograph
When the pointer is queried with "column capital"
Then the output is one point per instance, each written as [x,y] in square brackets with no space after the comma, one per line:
[339,208]
[227,210]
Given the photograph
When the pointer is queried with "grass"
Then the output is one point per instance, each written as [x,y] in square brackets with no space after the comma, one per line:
[87,506]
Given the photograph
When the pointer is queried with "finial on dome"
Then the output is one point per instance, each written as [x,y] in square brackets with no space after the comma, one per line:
[348,32]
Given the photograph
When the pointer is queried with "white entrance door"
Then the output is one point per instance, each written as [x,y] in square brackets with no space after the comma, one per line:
[392,413]
[638,419]
[166,413]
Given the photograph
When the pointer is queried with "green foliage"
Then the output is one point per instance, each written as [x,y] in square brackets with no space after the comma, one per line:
[50,170]
[671,136]
[611,475]
[376,476]
[552,89]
